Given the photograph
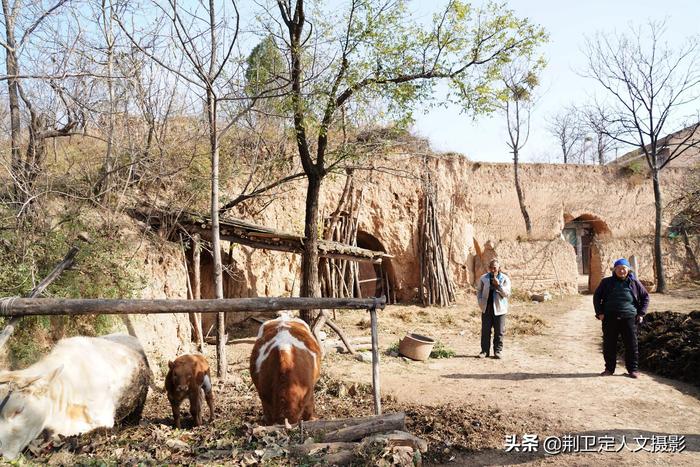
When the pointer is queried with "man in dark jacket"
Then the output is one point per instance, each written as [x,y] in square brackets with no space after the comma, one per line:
[620,302]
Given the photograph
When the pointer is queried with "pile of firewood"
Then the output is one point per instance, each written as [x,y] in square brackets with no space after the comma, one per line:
[349,440]
[339,277]
[436,287]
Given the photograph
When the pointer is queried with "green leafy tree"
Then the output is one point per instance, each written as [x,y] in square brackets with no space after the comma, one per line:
[266,69]
[374,51]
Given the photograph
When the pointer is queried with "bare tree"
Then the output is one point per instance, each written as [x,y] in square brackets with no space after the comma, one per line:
[206,33]
[565,126]
[24,22]
[648,85]
[106,26]
[686,222]
[597,132]
[519,81]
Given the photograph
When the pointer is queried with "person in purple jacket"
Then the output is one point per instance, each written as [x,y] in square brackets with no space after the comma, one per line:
[620,302]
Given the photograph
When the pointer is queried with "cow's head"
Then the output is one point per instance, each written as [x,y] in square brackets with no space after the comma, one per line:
[23,409]
[181,372]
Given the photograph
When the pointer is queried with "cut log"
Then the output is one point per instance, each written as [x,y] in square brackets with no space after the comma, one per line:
[399,438]
[309,449]
[358,431]
[318,427]
[340,458]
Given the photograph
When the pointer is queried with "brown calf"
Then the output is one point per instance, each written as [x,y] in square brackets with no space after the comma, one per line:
[285,365]
[187,377]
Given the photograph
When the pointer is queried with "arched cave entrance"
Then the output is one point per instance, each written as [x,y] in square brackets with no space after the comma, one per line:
[374,278]
[581,233]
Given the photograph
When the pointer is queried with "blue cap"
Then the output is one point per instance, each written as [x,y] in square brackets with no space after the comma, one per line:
[622,262]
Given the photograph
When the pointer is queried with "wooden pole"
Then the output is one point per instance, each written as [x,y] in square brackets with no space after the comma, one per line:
[57,270]
[197,289]
[86,306]
[375,359]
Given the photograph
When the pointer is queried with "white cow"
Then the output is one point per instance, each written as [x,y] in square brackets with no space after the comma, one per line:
[83,384]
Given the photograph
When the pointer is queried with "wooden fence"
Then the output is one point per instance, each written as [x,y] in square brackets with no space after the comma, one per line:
[16,307]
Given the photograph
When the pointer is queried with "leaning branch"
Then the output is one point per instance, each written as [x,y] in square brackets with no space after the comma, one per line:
[60,267]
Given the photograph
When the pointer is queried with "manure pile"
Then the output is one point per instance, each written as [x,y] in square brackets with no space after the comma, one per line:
[669,345]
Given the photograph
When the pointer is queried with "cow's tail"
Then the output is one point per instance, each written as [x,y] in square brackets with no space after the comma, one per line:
[289,403]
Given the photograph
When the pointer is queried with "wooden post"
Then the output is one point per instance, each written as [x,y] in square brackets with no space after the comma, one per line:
[197,289]
[375,361]
[635,266]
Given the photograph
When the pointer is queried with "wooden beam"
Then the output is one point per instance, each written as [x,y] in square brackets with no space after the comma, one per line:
[295,245]
[51,306]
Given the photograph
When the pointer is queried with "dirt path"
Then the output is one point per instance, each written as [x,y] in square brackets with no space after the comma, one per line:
[556,375]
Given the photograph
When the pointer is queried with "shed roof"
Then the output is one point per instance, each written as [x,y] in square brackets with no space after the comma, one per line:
[257,236]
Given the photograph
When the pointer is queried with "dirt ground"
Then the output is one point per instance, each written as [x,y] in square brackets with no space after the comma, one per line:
[547,385]
[553,374]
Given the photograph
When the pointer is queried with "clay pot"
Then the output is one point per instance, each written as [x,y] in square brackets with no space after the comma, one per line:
[416,347]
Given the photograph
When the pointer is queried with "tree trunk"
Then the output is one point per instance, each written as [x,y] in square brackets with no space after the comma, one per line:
[36,153]
[310,286]
[216,243]
[12,68]
[108,165]
[658,263]
[519,191]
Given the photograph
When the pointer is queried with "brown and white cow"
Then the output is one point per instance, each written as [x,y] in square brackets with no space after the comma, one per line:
[285,365]
[83,384]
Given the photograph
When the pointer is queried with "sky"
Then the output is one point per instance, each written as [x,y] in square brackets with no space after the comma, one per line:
[568,24]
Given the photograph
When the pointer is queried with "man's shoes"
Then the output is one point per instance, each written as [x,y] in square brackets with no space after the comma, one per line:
[633,374]
[483,355]
[606,373]
[497,355]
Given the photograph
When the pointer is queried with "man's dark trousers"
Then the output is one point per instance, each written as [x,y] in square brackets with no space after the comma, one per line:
[612,328]
[498,323]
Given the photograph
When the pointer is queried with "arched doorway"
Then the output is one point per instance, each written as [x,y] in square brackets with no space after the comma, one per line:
[373,279]
[581,232]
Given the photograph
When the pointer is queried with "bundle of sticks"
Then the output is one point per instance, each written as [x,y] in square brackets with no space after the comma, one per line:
[340,277]
[436,287]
